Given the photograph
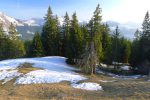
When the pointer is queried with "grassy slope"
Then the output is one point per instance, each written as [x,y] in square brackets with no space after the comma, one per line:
[119,90]
[136,89]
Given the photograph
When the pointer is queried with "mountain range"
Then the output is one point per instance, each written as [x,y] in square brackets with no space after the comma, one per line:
[27,28]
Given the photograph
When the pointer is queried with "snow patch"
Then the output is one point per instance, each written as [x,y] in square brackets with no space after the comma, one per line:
[103,65]
[53,63]
[48,76]
[87,86]
[127,68]
[119,76]
[55,70]
[105,81]
[8,75]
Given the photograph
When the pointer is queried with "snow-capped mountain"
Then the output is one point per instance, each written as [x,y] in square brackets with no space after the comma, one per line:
[34,22]
[27,28]
[6,21]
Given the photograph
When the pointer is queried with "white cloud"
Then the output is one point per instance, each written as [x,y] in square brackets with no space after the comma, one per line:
[129,10]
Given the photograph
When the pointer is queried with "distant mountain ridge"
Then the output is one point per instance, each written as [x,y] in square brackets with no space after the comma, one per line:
[126,29]
[27,28]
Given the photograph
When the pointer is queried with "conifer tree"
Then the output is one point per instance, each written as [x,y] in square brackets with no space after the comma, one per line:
[144,42]
[96,31]
[93,51]
[27,46]
[58,38]
[137,35]
[15,46]
[141,48]
[36,49]
[116,45]
[106,41]
[146,25]
[125,50]
[89,59]
[3,43]
[13,34]
[49,33]
[66,36]
[76,40]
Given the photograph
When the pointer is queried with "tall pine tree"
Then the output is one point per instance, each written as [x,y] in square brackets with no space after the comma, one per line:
[16,46]
[36,49]
[96,31]
[66,36]
[49,34]
[76,40]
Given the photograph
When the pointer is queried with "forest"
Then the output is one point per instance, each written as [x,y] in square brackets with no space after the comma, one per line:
[85,45]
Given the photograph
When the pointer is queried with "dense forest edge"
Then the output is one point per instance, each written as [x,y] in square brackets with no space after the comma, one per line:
[86,46]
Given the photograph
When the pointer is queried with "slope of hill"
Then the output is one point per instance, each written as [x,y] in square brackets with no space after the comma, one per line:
[52,78]
[55,70]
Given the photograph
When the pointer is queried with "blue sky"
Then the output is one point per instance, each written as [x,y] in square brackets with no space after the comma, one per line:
[116,10]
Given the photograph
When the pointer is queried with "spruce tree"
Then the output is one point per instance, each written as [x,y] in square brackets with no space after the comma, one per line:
[146,26]
[13,34]
[96,31]
[125,50]
[36,49]
[49,33]
[137,35]
[116,46]
[76,40]
[27,46]
[66,36]
[89,59]
[15,45]
[93,52]
[3,42]
[141,48]
[58,38]
[106,41]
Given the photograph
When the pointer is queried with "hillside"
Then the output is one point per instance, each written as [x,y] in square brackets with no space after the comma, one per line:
[20,79]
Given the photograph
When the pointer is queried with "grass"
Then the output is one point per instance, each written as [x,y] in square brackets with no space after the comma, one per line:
[136,89]
[26,68]
[131,89]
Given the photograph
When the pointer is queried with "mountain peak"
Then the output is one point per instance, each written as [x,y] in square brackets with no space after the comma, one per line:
[7,20]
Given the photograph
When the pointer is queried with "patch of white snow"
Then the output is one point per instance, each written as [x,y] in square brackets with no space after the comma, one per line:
[125,68]
[88,86]
[8,75]
[55,70]
[105,81]
[48,76]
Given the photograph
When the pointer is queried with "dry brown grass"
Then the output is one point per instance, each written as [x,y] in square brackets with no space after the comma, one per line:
[26,68]
[133,89]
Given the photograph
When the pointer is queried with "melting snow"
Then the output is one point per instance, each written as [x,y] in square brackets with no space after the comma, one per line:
[8,75]
[55,70]
[48,76]
[119,76]
[105,81]
[125,68]
[88,86]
